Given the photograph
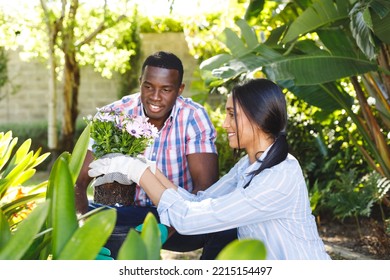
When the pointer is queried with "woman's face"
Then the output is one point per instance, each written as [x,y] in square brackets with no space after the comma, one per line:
[247,132]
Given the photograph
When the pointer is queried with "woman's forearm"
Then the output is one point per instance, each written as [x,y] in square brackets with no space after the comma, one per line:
[155,185]
[164,180]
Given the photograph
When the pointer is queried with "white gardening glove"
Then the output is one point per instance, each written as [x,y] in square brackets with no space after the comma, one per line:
[112,177]
[150,163]
[133,168]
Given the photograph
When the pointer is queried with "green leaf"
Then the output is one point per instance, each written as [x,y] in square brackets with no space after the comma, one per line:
[7,143]
[23,177]
[248,34]
[14,173]
[215,61]
[133,248]
[337,43]
[254,9]
[63,206]
[24,236]
[381,25]
[311,70]
[360,27]
[20,156]
[321,13]
[87,240]
[12,207]
[78,154]
[247,249]
[5,232]
[314,95]
[36,160]
[151,236]
[233,42]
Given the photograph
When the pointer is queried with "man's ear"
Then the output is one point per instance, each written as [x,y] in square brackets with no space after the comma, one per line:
[181,89]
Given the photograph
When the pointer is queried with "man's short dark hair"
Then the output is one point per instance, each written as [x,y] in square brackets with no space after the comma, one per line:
[165,60]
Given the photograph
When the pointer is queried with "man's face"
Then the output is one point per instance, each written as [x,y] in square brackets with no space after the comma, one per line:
[159,91]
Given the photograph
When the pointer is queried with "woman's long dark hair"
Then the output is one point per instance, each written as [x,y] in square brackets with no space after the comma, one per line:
[265,105]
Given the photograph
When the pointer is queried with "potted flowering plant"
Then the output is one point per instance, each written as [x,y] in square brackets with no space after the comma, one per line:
[115,133]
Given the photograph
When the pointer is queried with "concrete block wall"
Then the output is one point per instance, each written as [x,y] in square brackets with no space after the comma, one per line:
[29,102]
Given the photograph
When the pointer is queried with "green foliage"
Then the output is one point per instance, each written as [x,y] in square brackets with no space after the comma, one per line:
[16,168]
[51,230]
[160,24]
[311,51]
[347,197]
[351,195]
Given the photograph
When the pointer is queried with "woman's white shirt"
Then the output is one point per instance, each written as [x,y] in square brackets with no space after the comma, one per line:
[273,208]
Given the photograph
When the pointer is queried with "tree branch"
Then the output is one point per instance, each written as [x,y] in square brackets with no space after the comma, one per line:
[102,26]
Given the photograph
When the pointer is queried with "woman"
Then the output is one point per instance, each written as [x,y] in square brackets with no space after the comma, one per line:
[264,195]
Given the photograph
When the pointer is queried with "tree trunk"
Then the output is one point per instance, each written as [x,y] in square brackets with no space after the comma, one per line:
[52,101]
[71,89]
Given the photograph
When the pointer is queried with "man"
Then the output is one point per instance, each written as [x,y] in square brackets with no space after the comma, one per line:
[184,151]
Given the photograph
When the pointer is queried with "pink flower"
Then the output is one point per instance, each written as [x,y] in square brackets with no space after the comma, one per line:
[134,128]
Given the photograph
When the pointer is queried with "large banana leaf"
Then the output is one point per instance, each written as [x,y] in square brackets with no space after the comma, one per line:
[321,13]
[370,19]
[311,70]
[381,20]
[306,71]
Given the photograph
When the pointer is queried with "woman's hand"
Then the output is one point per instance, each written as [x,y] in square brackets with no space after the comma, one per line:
[133,168]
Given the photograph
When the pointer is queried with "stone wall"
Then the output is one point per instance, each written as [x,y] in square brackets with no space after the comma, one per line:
[28,103]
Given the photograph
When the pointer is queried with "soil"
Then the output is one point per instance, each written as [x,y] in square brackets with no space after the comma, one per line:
[343,240]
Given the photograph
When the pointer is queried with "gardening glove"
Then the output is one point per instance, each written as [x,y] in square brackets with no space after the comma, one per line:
[163,232]
[111,177]
[150,163]
[104,254]
[133,168]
